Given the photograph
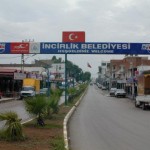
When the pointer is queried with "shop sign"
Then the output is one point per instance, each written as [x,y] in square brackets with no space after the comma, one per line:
[19,76]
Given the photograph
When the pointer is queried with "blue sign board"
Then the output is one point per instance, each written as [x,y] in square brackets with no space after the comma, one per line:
[95,48]
[76,48]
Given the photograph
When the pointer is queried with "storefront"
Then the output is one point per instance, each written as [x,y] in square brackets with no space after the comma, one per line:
[11,81]
[131,86]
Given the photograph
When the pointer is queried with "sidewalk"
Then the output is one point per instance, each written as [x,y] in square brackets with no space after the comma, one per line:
[6,99]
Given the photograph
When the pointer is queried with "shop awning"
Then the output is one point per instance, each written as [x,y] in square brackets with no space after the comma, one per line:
[9,72]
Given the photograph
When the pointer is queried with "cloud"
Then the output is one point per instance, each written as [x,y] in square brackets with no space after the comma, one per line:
[102,20]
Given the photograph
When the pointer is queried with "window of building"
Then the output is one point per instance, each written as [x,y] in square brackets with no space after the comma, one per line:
[103,64]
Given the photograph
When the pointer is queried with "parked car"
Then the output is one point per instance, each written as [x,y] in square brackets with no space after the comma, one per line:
[91,83]
[0,95]
[104,87]
[98,85]
[120,93]
[112,91]
[43,91]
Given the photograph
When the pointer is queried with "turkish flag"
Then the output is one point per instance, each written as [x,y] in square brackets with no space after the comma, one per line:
[73,36]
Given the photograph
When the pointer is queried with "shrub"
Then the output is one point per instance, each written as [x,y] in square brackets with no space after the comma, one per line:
[13,126]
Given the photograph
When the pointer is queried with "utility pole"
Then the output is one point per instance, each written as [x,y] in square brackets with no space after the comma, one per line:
[22,55]
[22,62]
[132,76]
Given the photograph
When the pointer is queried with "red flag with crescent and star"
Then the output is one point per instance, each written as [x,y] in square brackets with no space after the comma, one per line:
[73,36]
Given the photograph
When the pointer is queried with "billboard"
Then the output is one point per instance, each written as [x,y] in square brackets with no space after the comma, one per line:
[19,48]
[74,48]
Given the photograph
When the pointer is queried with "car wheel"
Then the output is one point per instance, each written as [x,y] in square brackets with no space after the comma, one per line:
[143,106]
[136,105]
[0,97]
[21,98]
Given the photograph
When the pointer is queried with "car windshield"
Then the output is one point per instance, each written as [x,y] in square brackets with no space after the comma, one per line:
[113,89]
[44,89]
[120,89]
[27,88]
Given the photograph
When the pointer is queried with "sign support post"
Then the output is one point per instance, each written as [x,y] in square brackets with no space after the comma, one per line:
[66,101]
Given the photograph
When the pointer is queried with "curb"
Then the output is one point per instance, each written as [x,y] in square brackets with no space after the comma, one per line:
[65,123]
[28,120]
[6,100]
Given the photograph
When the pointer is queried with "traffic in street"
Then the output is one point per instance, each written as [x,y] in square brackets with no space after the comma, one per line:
[104,122]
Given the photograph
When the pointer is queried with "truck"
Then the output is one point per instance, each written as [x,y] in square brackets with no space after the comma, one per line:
[143,91]
[30,87]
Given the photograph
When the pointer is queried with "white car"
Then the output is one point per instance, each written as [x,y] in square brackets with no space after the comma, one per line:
[43,91]
[120,93]
[104,87]
[112,91]
[99,85]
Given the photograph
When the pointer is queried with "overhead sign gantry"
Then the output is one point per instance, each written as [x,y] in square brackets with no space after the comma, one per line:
[74,48]
[74,43]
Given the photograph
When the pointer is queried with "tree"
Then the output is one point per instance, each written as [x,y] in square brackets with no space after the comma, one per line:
[73,70]
[13,126]
[86,76]
[55,60]
[52,102]
[37,106]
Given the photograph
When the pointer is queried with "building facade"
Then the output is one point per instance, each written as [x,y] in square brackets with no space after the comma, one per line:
[122,73]
[12,75]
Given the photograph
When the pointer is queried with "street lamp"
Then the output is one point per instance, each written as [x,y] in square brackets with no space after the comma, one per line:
[47,74]
[132,77]
[44,76]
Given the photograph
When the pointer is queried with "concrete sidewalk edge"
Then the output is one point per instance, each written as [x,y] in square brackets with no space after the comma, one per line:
[4,100]
[67,117]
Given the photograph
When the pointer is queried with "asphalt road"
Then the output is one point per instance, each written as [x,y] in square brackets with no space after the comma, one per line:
[108,123]
[16,106]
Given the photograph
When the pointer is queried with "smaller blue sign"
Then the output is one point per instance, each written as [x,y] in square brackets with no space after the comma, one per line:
[4,48]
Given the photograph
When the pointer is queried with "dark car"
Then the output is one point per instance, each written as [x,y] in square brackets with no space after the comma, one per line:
[0,95]
[120,93]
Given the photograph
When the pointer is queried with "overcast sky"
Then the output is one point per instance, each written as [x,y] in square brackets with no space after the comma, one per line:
[102,21]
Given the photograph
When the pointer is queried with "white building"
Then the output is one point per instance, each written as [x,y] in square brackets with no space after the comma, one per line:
[142,68]
[58,70]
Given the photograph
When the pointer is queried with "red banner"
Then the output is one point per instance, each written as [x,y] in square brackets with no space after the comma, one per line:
[19,48]
[74,36]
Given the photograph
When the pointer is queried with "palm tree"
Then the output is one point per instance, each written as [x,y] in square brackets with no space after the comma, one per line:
[13,126]
[37,107]
[52,102]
